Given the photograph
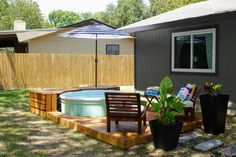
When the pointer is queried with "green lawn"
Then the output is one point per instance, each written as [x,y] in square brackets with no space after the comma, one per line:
[25,134]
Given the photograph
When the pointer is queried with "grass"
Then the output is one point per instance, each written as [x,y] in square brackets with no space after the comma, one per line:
[25,134]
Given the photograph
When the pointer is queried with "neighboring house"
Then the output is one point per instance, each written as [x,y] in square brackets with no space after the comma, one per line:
[195,43]
[11,38]
[49,41]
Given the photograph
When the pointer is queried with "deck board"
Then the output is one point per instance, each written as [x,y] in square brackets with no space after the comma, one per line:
[123,135]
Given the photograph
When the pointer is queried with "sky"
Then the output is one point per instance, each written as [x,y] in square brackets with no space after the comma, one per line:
[77,6]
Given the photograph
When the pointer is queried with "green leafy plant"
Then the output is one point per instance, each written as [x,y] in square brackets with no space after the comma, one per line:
[213,88]
[169,105]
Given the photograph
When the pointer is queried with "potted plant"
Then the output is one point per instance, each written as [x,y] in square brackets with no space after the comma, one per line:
[214,108]
[166,129]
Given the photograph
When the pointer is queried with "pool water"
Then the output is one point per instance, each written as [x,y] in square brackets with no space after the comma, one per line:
[89,103]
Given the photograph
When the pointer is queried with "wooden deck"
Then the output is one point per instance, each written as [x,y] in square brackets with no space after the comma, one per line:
[123,135]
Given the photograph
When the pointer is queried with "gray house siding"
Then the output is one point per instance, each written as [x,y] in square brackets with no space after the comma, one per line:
[153,54]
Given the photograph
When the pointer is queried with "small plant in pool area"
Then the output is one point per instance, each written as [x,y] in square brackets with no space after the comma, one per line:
[214,104]
[166,129]
[213,88]
[169,105]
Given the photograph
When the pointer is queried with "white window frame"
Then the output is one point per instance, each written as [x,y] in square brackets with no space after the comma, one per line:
[192,33]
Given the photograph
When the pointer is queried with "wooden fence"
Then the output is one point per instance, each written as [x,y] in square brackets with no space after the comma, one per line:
[63,70]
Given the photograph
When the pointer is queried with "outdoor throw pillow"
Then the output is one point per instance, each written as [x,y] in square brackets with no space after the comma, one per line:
[186,91]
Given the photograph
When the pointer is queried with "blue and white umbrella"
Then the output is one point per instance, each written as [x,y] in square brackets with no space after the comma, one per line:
[96,31]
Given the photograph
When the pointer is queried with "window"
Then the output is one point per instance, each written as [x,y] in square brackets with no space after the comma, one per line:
[112,49]
[194,51]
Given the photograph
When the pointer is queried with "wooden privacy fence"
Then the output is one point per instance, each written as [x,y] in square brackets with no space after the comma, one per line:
[63,70]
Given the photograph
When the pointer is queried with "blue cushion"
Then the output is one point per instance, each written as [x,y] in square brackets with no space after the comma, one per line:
[152,92]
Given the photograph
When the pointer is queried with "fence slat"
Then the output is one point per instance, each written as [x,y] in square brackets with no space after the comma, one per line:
[63,70]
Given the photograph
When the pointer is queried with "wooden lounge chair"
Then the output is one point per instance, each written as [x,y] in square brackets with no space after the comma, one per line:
[124,107]
[189,108]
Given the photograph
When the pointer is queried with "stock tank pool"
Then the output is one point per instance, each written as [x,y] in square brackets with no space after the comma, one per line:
[89,103]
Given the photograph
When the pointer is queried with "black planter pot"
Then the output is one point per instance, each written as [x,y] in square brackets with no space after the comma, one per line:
[165,136]
[214,110]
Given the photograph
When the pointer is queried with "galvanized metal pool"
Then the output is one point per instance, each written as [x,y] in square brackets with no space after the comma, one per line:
[84,103]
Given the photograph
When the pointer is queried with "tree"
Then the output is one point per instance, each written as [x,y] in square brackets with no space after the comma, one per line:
[61,18]
[128,11]
[161,6]
[3,7]
[110,15]
[101,16]
[4,18]
[26,10]
[86,16]
[106,16]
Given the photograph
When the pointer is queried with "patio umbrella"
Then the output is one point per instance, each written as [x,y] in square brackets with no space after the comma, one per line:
[96,30]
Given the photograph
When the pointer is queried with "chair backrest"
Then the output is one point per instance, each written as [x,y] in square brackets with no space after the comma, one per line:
[123,104]
[196,94]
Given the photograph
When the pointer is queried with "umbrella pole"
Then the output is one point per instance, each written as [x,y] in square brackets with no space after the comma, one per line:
[96,63]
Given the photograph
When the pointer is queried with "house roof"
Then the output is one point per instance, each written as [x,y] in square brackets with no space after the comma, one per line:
[195,10]
[5,32]
[23,35]
[86,23]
